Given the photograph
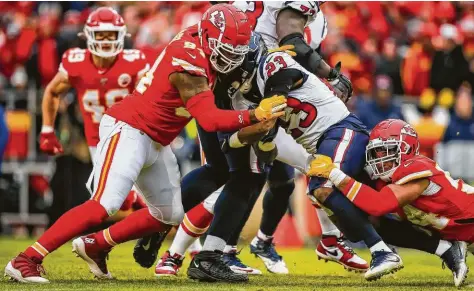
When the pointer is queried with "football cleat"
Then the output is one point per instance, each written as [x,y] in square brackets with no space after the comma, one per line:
[236,265]
[87,249]
[383,263]
[169,265]
[334,249]
[23,269]
[455,259]
[208,266]
[266,251]
[146,249]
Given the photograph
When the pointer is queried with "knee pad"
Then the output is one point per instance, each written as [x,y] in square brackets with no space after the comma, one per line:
[282,188]
[170,214]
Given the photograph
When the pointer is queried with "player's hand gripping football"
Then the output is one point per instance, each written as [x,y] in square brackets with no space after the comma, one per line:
[50,144]
[271,108]
[341,84]
[321,166]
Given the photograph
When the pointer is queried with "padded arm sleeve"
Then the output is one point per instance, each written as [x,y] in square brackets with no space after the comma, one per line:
[373,202]
[203,108]
[305,55]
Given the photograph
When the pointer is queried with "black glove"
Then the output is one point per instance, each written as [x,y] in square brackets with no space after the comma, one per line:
[341,84]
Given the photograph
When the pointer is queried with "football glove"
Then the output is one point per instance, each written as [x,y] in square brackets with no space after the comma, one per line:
[265,151]
[321,166]
[50,144]
[341,84]
[270,108]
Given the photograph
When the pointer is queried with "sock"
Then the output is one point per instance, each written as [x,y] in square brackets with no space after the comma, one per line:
[198,184]
[353,222]
[443,247]
[197,220]
[263,236]
[230,248]
[195,246]
[275,205]
[327,226]
[232,205]
[72,223]
[138,224]
[181,242]
[380,246]
[403,234]
[234,238]
[213,243]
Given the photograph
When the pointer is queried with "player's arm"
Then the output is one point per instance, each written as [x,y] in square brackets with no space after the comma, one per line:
[58,86]
[373,202]
[290,26]
[199,100]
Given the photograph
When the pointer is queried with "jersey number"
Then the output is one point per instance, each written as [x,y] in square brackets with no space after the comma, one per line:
[274,65]
[304,111]
[92,104]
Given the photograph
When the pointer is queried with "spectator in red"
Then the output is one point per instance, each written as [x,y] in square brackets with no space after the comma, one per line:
[417,63]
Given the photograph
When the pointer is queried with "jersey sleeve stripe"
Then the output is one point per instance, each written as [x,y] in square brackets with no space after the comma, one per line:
[144,70]
[414,176]
[354,191]
[187,66]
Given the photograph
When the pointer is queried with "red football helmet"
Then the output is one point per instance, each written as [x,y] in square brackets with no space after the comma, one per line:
[391,142]
[105,19]
[224,32]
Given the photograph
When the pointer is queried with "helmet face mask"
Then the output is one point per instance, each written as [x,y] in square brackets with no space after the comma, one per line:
[391,143]
[100,23]
[224,57]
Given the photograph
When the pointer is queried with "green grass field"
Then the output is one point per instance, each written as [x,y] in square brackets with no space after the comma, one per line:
[421,272]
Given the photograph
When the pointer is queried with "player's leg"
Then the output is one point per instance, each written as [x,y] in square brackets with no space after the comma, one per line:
[117,165]
[158,182]
[275,204]
[195,223]
[195,187]
[230,209]
[347,149]
[406,235]
[231,253]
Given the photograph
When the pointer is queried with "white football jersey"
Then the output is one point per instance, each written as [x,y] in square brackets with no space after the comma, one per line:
[312,107]
[263,15]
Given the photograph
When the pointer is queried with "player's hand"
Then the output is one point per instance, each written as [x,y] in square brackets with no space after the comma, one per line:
[265,151]
[270,108]
[321,166]
[50,144]
[287,48]
[340,83]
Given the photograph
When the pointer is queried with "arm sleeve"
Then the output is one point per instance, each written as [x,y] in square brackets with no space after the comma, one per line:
[282,82]
[203,108]
[373,202]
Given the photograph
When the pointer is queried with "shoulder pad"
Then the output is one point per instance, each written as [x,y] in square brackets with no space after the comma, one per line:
[188,60]
[416,168]
[71,60]
[275,62]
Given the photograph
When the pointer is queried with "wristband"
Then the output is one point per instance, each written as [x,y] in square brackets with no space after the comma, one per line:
[234,141]
[47,129]
[337,176]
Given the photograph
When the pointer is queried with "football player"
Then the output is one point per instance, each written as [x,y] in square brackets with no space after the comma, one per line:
[415,187]
[274,20]
[102,75]
[134,143]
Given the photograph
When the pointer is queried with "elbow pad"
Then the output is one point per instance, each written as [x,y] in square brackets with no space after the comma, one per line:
[305,55]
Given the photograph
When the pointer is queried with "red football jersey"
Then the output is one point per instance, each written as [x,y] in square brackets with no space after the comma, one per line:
[447,205]
[155,107]
[99,89]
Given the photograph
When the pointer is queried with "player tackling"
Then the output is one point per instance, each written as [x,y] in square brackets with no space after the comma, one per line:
[417,189]
[134,143]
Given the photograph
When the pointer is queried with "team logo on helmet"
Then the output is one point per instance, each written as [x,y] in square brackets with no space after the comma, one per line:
[407,129]
[124,80]
[217,18]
